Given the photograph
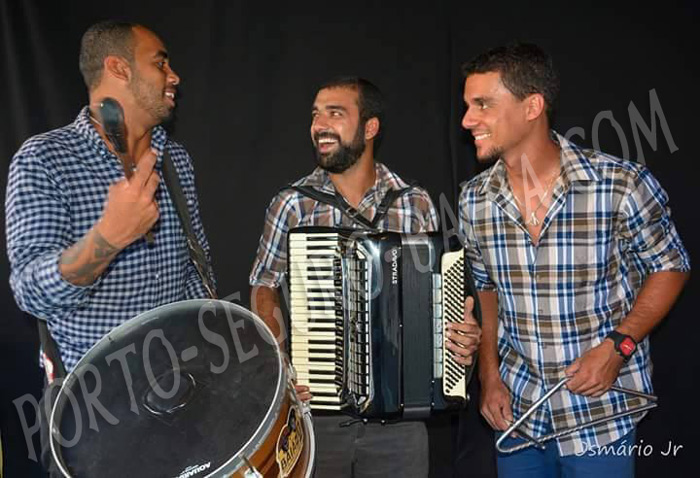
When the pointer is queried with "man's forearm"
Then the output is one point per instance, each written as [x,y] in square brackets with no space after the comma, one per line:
[488,350]
[657,295]
[266,304]
[83,262]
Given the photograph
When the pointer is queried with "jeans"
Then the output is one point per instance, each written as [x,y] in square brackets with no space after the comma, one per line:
[532,462]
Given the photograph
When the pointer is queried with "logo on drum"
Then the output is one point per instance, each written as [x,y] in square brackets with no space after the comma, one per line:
[290,443]
[193,470]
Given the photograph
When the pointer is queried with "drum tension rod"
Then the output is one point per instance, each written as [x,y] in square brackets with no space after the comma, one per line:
[251,472]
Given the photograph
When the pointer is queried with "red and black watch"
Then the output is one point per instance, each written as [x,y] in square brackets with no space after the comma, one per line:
[625,345]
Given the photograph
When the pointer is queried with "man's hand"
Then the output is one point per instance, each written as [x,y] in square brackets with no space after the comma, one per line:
[495,403]
[131,209]
[464,339]
[303,392]
[594,372]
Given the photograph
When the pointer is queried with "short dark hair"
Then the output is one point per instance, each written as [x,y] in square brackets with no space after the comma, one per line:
[524,68]
[100,41]
[370,100]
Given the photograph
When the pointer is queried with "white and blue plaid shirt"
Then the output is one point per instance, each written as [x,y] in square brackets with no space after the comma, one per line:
[56,191]
[607,229]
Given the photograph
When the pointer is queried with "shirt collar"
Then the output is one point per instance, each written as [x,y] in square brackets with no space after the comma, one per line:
[86,129]
[384,181]
[575,163]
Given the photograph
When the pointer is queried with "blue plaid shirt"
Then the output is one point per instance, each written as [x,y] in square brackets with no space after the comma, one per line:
[56,191]
[608,227]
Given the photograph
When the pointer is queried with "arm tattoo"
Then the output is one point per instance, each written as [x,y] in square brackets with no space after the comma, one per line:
[71,255]
[82,263]
[103,249]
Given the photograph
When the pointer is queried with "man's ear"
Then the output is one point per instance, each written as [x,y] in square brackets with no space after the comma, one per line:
[117,67]
[371,128]
[535,106]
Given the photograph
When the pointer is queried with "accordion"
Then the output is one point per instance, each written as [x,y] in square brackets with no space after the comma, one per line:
[367,320]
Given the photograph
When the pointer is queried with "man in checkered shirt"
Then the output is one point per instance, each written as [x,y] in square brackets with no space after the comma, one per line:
[76,225]
[577,260]
[345,126]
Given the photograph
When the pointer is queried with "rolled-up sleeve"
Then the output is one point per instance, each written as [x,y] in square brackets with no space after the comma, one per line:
[38,231]
[648,229]
[271,260]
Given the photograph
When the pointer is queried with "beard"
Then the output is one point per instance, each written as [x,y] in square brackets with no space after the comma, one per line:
[491,156]
[150,98]
[345,156]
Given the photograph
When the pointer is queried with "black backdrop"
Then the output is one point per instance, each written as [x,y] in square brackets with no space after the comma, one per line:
[249,72]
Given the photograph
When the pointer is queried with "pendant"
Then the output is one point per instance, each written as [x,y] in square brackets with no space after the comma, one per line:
[533,220]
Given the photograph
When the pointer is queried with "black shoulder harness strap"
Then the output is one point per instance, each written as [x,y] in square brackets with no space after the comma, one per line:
[337,201]
[197,254]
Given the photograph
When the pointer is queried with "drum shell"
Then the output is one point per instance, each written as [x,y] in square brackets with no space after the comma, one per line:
[277,395]
[265,459]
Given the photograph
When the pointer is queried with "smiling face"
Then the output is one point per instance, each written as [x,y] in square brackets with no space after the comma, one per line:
[337,133]
[153,83]
[496,118]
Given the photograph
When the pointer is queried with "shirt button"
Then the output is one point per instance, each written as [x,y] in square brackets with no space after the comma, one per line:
[157,276]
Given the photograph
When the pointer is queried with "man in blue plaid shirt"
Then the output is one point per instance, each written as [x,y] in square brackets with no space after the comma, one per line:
[577,260]
[76,224]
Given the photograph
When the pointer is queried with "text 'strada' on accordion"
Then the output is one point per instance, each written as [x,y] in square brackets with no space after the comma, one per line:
[367,320]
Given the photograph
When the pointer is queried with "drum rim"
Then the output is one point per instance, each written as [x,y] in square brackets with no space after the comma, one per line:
[256,438]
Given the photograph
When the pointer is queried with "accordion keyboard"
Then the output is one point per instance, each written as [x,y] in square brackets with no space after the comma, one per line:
[331,334]
[316,303]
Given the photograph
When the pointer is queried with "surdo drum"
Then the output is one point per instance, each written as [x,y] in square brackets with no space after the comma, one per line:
[187,390]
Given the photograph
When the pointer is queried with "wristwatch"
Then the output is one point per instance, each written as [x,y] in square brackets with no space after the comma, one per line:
[625,345]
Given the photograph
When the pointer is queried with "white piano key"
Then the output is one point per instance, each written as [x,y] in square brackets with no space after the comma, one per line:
[317,283]
[304,312]
[311,238]
[306,335]
[319,404]
[314,327]
[329,295]
[315,406]
[322,387]
[300,354]
[304,364]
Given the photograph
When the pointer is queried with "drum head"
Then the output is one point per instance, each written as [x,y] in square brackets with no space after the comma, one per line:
[183,390]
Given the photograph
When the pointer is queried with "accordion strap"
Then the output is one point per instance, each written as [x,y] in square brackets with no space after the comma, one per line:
[338,202]
[197,254]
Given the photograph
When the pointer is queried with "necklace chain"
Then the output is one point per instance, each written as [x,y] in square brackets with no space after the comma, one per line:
[533,221]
